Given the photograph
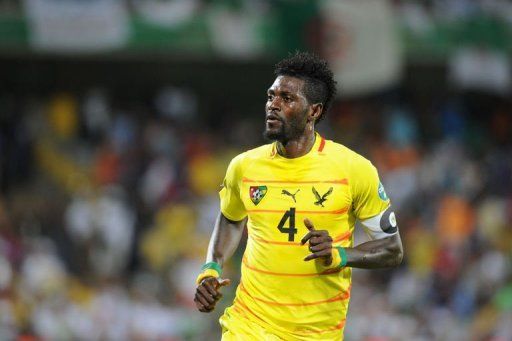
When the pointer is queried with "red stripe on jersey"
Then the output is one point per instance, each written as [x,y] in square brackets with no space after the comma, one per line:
[336,239]
[336,327]
[340,211]
[322,145]
[342,237]
[338,297]
[244,307]
[258,239]
[240,311]
[285,274]
[335,181]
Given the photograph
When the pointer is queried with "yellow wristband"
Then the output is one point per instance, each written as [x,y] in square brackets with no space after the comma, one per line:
[207,273]
[336,258]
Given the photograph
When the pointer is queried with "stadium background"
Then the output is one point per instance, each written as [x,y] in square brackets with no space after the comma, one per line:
[118,119]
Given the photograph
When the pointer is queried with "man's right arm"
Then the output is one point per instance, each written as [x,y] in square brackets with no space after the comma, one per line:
[225,239]
[223,243]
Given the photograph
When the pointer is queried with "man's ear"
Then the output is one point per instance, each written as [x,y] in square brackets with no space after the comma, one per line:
[315,111]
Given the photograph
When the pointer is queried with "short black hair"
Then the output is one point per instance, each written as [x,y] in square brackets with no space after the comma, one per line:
[319,83]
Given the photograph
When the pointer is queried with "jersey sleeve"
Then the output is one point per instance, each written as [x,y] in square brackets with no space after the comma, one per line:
[368,194]
[231,204]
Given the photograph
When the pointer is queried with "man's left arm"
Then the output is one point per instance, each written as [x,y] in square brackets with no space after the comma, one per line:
[384,251]
[380,253]
[372,208]
[385,247]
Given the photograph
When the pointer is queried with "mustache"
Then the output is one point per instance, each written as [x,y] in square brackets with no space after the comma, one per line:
[273,116]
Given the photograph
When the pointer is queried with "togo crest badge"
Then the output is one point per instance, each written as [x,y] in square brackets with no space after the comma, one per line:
[257,193]
[382,192]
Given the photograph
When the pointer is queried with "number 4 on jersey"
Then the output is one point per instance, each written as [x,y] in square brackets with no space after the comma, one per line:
[290,230]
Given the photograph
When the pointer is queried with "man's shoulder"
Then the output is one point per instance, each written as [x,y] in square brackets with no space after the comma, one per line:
[254,153]
[261,151]
[358,167]
[343,153]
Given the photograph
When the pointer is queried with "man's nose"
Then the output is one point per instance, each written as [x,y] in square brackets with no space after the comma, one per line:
[274,104]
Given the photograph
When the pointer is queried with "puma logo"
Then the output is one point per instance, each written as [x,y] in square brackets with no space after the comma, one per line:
[321,199]
[285,192]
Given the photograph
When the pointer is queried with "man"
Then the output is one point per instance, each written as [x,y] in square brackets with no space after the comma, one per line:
[294,287]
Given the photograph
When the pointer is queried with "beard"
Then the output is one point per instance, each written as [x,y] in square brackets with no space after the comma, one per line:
[287,130]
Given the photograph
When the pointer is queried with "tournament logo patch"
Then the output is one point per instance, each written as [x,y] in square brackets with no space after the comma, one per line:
[256,193]
[382,192]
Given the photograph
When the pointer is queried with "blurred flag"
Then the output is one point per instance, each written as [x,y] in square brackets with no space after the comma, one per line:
[77,26]
[362,45]
[236,33]
[480,68]
[169,13]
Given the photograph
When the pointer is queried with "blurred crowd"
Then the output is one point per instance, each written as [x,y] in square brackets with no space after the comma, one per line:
[107,207]
[105,216]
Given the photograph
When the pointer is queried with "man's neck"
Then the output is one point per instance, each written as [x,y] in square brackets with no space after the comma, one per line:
[298,147]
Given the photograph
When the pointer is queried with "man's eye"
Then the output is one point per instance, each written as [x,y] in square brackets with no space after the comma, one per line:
[270,97]
[287,99]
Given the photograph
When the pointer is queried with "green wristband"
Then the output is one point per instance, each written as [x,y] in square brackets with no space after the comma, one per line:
[343,256]
[212,265]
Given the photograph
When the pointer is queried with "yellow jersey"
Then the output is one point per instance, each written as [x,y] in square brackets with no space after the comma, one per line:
[279,291]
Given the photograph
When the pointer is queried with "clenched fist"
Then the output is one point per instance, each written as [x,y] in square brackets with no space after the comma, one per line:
[208,293]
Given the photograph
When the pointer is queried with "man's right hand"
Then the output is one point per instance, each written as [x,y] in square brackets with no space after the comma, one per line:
[208,293]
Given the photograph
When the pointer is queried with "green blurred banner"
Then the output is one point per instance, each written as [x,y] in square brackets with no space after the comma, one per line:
[230,29]
[182,28]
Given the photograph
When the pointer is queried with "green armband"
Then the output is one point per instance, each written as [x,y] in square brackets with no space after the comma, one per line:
[343,255]
[213,266]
